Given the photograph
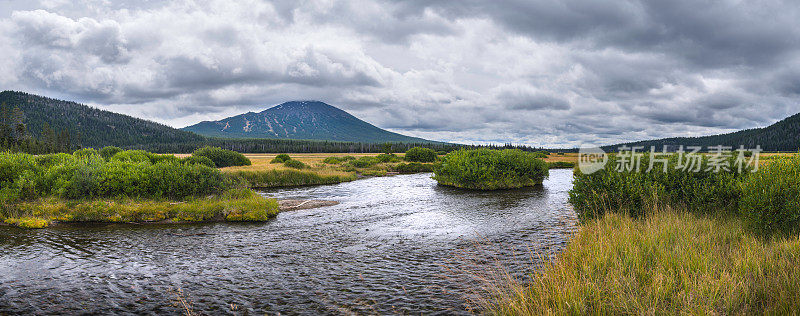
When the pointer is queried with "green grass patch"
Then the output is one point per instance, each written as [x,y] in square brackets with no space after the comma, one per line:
[296,164]
[337,160]
[770,200]
[560,165]
[700,188]
[231,205]
[281,178]
[27,222]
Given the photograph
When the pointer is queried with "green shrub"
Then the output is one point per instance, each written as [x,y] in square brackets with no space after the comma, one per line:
[131,156]
[156,158]
[222,157]
[363,162]
[384,158]
[109,151]
[280,158]
[296,164]
[441,153]
[560,165]
[420,154]
[541,154]
[638,192]
[771,197]
[413,167]
[17,176]
[128,174]
[198,160]
[85,152]
[486,169]
[338,160]
[285,177]
[49,160]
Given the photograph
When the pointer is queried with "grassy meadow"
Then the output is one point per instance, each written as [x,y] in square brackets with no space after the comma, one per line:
[320,168]
[670,243]
[672,262]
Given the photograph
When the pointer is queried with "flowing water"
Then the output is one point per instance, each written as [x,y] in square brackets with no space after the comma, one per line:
[384,250]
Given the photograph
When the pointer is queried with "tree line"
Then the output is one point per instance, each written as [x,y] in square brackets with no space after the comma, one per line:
[15,137]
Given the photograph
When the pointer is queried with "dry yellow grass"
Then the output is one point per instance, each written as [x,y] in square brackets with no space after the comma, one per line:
[566,157]
[261,162]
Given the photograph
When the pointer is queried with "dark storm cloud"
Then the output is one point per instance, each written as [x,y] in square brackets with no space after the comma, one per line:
[543,72]
[705,32]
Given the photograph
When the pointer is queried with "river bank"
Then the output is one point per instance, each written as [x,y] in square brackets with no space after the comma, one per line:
[671,262]
[233,206]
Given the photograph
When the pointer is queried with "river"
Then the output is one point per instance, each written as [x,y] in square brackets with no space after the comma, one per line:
[385,249]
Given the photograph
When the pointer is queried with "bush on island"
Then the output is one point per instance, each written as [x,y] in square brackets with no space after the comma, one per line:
[420,154]
[222,157]
[280,158]
[296,164]
[198,160]
[487,169]
[384,158]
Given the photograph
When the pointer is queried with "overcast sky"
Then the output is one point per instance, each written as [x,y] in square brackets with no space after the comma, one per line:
[538,72]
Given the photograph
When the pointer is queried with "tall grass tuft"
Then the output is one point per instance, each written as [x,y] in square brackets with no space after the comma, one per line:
[633,191]
[771,197]
[286,177]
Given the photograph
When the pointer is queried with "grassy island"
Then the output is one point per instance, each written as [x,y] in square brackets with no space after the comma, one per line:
[487,169]
[128,186]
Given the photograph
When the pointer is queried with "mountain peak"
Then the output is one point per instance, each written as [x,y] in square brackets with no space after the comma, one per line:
[303,105]
[302,119]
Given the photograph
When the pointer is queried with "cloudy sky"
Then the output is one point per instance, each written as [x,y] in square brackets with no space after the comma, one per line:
[538,72]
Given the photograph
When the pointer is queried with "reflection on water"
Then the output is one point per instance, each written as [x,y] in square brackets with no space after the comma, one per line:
[380,251]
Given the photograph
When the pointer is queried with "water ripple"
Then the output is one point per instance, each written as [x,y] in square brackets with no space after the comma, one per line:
[381,250]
